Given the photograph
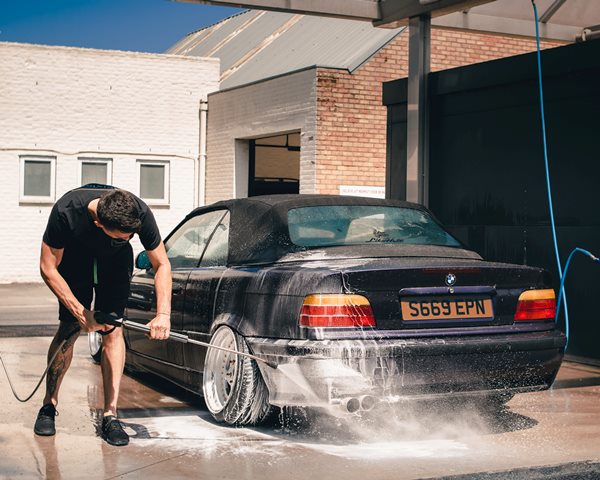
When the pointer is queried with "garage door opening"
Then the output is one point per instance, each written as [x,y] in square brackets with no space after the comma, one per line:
[274,165]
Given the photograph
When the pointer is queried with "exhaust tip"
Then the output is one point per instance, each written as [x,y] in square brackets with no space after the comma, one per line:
[367,402]
[352,404]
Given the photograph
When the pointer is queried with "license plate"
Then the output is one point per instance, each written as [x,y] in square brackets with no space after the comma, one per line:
[446,308]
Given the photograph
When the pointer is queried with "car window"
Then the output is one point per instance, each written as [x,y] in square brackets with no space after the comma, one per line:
[218,246]
[185,246]
[364,224]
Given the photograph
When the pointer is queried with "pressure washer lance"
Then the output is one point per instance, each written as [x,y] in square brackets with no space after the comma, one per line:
[115,320]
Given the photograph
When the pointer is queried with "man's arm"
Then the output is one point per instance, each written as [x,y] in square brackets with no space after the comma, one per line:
[160,326]
[50,259]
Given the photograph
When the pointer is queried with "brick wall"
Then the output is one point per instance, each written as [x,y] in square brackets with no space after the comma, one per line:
[351,120]
[73,103]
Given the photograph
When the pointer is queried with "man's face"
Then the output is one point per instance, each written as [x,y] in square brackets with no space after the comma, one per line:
[115,234]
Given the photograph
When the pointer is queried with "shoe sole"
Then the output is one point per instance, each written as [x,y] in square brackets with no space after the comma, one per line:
[115,444]
[44,434]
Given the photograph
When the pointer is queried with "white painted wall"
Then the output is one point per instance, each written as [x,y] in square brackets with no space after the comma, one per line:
[279,105]
[71,103]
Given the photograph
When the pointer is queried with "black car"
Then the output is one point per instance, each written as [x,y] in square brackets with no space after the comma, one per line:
[356,300]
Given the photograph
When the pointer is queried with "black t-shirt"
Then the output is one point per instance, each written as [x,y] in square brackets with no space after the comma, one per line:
[71,225]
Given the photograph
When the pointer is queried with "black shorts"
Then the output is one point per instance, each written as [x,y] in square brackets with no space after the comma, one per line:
[110,280]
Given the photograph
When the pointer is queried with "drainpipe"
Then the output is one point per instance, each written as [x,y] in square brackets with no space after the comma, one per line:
[200,184]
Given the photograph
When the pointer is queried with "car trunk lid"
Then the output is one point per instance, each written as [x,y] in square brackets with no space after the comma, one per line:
[431,292]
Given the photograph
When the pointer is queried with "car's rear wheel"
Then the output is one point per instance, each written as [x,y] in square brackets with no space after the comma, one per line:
[234,390]
[95,344]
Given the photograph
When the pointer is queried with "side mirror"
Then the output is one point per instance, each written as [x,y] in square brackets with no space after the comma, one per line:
[142,261]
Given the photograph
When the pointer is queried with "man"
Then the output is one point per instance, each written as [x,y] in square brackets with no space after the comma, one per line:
[85,249]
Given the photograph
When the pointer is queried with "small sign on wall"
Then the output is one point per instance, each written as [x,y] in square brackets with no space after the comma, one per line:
[362,191]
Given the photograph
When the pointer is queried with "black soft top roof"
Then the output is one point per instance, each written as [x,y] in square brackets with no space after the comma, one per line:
[304,200]
[258,227]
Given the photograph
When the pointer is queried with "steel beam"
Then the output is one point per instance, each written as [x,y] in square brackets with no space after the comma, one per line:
[350,9]
[395,13]
[417,153]
[552,9]
[512,26]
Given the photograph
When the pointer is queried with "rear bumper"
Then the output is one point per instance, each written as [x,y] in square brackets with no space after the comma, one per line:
[326,372]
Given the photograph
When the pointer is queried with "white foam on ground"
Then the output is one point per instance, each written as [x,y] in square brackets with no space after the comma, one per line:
[168,400]
[395,449]
[188,427]
[410,435]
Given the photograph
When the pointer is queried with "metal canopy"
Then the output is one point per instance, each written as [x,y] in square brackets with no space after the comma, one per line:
[560,19]
[566,20]
[380,12]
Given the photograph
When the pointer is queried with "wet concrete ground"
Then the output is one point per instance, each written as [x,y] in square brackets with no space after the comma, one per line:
[552,434]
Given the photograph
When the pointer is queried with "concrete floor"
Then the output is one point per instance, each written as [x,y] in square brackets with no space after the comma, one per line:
[27,304]
[173,436]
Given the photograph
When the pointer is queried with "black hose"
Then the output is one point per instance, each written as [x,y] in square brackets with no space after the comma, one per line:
[41,379]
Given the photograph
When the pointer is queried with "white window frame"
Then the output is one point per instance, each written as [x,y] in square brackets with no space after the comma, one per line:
[35,198]
[101,161]
[155,201]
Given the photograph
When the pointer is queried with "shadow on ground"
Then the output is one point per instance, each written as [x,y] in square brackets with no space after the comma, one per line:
[445,419]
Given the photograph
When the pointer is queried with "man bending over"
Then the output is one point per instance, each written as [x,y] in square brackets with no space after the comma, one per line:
[85,249]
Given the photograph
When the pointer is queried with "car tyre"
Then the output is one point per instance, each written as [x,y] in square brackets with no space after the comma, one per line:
[95,344]
[233,387]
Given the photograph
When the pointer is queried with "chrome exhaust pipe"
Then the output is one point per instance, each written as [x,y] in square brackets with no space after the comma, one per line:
[367,402]
[350,404]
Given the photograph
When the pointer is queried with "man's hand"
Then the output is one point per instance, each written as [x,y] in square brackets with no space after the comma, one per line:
[160,327]
[88,323]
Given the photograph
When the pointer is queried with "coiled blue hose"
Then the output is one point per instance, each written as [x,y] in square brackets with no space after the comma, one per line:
[562,285]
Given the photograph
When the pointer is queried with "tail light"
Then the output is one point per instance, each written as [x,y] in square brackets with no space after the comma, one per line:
[326,310]
[536,305]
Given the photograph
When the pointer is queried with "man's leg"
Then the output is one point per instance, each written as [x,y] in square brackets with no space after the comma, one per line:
[113,363]
[76,269]
[69,332]
[114,275]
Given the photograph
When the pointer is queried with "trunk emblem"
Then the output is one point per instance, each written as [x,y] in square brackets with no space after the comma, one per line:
[450,279]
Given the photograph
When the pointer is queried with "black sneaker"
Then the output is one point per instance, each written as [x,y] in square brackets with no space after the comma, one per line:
[113,432]
[44,424]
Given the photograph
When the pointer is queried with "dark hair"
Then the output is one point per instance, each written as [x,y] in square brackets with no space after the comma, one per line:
[118,210]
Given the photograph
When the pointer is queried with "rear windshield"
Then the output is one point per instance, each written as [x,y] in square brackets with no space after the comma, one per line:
[339,225]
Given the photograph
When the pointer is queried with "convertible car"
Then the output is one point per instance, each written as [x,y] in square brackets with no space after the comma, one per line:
[352,301]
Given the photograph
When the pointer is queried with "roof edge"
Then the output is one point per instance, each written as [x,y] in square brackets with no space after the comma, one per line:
[352,68]
[104,51]
[273,77]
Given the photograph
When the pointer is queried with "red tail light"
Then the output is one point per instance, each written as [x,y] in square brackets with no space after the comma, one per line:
[326,310]
[536,305]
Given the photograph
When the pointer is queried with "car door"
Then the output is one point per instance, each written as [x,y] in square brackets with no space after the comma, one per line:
[202,286]
[184,246]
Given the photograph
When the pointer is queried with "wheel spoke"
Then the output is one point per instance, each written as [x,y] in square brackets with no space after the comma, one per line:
[220,371]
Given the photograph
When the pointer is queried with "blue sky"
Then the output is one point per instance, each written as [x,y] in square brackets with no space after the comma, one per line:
[137,25]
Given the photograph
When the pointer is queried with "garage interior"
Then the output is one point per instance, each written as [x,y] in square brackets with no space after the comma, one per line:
[274,165]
